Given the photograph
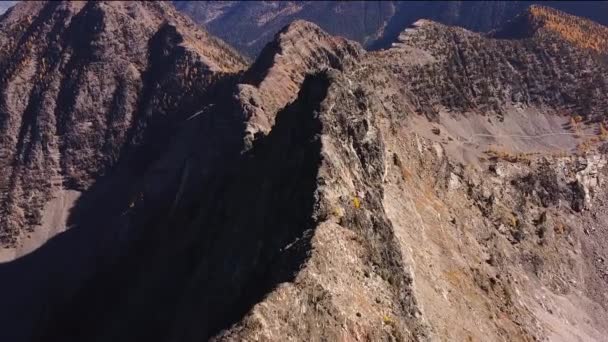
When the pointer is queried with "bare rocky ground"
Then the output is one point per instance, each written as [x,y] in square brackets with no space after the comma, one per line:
[449,188]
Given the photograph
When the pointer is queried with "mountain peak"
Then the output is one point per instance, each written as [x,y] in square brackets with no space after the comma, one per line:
[106,70]
[299,49]
[300,24]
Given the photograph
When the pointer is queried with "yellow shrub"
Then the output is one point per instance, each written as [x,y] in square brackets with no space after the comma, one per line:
[357,202]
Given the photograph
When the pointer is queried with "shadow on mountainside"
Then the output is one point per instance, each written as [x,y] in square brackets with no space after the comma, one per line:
[244,229]
[34,286]
[34,283]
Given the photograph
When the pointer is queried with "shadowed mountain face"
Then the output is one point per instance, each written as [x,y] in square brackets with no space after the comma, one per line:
[249,25]
[91,93]
[451,187]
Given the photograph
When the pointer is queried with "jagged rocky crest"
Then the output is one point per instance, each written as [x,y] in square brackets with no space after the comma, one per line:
[475,74]
[275,78]
[331,193]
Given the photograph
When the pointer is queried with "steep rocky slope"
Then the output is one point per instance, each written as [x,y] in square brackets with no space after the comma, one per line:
[91,93]
[249,25]
[83,85]
[335,194]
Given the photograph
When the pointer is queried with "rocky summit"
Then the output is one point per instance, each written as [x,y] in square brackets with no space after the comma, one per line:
[162,188]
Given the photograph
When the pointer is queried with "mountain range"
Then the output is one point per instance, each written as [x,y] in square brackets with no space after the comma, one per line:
[249,25]
[406,180]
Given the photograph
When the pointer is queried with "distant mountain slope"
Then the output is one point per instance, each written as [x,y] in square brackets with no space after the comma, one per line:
[539,20]
[4,5]
[249,25]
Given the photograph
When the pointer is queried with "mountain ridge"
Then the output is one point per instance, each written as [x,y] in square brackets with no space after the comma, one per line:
[578,31]
[328,192]
[387,162]
[374,25]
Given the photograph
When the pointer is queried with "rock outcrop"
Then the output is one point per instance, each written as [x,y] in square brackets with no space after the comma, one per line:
[274,80]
